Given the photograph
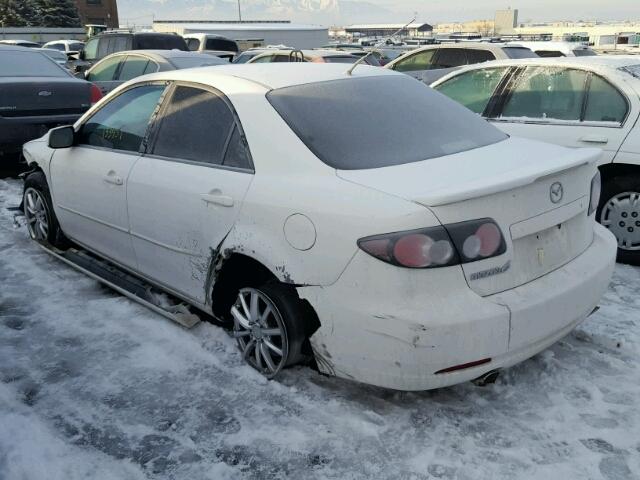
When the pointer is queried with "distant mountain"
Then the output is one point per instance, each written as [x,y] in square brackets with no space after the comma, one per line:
[327,12]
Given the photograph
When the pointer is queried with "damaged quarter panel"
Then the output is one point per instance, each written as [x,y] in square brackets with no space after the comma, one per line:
[290,180]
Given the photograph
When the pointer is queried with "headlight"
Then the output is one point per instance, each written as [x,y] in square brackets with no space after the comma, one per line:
[596,187]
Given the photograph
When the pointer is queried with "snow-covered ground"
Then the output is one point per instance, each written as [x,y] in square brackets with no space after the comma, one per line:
[95,386]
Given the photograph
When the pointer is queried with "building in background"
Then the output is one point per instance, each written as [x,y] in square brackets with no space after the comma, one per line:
[505,21]
[600,35]
[100,12]
[484,27]
[387,29]
[271,32]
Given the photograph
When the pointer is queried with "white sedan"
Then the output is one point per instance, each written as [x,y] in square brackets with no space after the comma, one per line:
[574,102]
[363,221]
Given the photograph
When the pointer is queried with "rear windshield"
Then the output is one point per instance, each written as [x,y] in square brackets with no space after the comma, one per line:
[193,62]
[28,64]
[221,44]
[372,122]
[584,52]
[160,42]
[519,52]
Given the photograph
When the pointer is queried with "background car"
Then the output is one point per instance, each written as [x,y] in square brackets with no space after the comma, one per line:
[69,47]
[575,102]
[315,56]
[113,41]
[393,257]
[20,43]
[37,94]
[120,67]
[556,49]
[211,44]
[56,55]
[434,61]
[247,55]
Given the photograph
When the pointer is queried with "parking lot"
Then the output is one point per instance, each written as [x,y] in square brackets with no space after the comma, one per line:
[94,385]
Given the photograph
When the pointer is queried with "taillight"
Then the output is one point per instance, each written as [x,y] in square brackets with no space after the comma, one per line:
[95,93]
[438,246]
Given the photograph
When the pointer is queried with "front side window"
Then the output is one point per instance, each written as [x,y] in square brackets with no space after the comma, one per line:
[195,126]
[122,123]
[104,71]
[133,67]
[357,123]
[56,46]
[265,59]
[547,93]
[604,103]
[418,61]
[91,49]
[473,89]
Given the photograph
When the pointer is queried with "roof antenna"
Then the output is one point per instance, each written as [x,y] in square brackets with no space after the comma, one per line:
[381,42]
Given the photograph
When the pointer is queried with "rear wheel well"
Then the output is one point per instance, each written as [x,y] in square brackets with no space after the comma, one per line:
[239,271]
[612,170]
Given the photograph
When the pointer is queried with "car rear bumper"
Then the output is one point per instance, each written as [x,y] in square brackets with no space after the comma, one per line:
[16,131]
[396,328]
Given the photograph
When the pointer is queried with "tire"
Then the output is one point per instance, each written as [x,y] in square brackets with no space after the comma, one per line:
[256,339]
[619,211]
[42,223]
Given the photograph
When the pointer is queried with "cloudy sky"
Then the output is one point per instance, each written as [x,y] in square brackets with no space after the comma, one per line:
[354,11]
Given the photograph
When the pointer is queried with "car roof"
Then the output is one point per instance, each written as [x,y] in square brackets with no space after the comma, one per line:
[308,53]
[15,48]
[611,61]
[174,53]
[549,45]
[277,75]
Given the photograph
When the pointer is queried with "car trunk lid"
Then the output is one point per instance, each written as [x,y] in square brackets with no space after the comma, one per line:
[510,182]
[29,96]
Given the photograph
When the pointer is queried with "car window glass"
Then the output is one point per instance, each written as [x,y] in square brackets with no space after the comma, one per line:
[105,70]
[280,58]
[133,67]
[265,59]
[119,44]
[479,56]
[549,53]
[195,126]
[27,64]
[103,47]
[56,46]
[519,52]
[547,93]
[193,44]
[604,103]
[473,89]
[152,67]
[221,44]
[74,47]
[91,49]
[237,154]
[122,123]
[450,57]
[417,61]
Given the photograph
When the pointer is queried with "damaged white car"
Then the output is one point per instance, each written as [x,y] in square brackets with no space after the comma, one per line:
[359,219]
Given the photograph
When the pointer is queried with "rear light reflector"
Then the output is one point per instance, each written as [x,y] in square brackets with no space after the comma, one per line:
[463,366]
[96,94]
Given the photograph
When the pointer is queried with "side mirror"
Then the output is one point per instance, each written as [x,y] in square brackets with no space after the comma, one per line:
[62,137]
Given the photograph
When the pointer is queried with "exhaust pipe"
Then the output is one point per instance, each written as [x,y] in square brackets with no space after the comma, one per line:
[487,379]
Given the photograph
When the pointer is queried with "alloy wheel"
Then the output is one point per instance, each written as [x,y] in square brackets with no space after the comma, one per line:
[260,332]
[621,215]
[36,214]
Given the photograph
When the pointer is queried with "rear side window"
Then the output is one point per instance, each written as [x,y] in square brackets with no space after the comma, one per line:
[133,67]
[547,93]
[196,126]
[549,53]
[353,124]
[120,43]
[237,154]
[221,44]
[122,123]
[340,59]
[584,52]
[159,42]
[604,103]
[519,52]
[473,89]
[479,56]
[56,46]
[450,58]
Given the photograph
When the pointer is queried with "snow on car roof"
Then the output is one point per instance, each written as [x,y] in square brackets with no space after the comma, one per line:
[277,75]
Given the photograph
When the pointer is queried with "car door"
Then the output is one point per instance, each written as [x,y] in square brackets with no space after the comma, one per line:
[566,106]
[104,74]
[184,195]
[89,180]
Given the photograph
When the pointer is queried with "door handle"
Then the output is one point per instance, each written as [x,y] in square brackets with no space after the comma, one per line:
[112,178]
[217,198]
[594,139]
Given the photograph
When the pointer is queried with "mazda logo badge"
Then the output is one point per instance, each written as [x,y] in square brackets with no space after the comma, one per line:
[44,93]
[556,192]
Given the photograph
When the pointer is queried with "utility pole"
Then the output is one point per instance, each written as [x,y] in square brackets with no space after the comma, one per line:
[239,12]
